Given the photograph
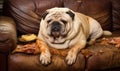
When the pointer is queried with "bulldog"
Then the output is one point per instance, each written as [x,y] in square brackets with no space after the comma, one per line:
[62,28]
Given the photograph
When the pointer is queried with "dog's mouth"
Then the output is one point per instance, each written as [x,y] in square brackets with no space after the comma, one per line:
[57,37]
[57,32]
[59,40]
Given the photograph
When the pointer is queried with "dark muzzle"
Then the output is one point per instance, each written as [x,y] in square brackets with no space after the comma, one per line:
[55,29]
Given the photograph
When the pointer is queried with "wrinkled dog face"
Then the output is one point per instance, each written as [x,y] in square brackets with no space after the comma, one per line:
[57,23]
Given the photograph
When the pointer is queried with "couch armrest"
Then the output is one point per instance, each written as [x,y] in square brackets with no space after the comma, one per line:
[8,37]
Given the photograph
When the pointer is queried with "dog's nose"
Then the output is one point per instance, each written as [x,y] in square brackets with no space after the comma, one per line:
[55,29]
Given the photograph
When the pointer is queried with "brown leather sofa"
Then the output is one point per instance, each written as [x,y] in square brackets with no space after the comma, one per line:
[27,15]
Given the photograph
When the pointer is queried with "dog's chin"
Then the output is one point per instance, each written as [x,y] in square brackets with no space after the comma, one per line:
[57,40]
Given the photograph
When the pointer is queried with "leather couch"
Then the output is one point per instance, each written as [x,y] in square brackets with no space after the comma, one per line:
[27,15]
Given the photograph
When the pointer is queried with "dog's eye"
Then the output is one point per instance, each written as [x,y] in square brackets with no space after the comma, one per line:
[63,21]
[49,21]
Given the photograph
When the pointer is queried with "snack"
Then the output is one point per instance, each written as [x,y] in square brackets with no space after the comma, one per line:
[30,48]
[114,41]
[27,38]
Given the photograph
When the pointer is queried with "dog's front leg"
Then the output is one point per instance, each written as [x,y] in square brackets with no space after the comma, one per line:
[45,56]
[72,54]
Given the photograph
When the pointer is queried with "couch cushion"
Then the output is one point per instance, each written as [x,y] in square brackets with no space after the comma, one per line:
[24,62]
[103,57]
[97,57]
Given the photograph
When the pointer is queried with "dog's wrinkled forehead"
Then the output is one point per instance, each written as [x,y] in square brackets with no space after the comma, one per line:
[58,12]
[56,9]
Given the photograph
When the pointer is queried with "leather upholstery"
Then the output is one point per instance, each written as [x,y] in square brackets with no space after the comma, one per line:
[3,62]
[8,36]
[116,14]
[100,58]
[27,15]
[8,40]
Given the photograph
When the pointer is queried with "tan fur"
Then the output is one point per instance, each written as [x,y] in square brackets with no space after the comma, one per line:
[78,31]
[45,53]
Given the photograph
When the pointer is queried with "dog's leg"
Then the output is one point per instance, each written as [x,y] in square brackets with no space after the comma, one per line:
[72,54]
[95,36]
[95,30]
[45,56]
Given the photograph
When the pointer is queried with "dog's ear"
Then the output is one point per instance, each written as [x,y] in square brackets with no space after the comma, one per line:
[71,14]
[44,15]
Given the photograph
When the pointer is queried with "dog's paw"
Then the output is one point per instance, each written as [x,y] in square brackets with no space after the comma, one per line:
[71,58]
[45,58]
[91,42]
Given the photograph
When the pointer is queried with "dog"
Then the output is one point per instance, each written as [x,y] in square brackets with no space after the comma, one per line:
[62,28]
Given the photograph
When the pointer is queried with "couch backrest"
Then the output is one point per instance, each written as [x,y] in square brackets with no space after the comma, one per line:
[27,13]
[116,14]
